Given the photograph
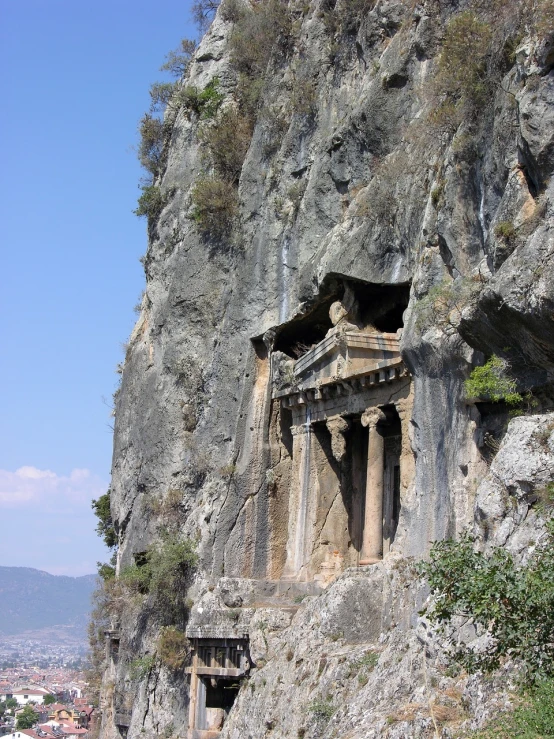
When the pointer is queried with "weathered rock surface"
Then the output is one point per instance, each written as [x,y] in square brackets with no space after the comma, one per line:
[357,190]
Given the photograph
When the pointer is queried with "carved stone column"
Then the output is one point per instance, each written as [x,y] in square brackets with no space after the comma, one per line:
[372,541]
[407,462]
[298,499]
[338,426]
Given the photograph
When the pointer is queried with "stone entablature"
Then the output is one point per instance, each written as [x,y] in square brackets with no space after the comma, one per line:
[346,354]
[349,396]
[346,373]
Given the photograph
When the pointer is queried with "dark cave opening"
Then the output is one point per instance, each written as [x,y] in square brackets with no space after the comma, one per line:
[380,306]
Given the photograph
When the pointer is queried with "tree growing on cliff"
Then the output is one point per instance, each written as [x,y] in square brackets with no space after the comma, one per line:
[105,527]
[513,605]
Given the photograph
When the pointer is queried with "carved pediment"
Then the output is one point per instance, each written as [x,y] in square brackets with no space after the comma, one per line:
[346,354]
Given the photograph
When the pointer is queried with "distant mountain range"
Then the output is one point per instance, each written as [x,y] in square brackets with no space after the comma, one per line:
[31,600]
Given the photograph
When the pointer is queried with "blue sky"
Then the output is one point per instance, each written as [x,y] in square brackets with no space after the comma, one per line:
[74,78]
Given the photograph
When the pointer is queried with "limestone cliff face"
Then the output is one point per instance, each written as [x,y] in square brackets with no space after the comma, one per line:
[345,190]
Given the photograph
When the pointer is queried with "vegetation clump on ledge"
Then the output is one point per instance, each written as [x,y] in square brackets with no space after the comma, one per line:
[164,570]
[215,203]
[493,382]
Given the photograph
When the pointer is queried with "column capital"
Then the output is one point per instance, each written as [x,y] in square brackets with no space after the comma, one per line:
[269,339]
[338,426]
[403,408]
[302,428]
[372,416]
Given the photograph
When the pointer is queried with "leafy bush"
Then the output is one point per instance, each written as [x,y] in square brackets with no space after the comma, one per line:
[204,103]
[545,498]
[107,570]
[368,661]
[463,82]
[228,141]
[152,134]
[345,16]
[167,509]
[163,570]
[105,528]
[215,204]
[436,194]
[304,97]
[513,605]
[141,667]
[322,709]
[505,230]
[161,94]
[151,202]
[171,564]
[135,579]
[493,382]
[173,647]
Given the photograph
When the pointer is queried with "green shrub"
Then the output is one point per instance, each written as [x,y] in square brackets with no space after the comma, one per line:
[543,20]
[436,194]
[105,527]
[322,710]
[152,135]
[135,579]
[163,570]
[140,667]
[151,202]
[173,648]
[215,203]
[303,99]
[106,571]
[493,382]
[545,497]
[513,604]
[505,230]
[231,10]
[171,564]
[346,15]
[27,718]
[256,32]
[228,140]
[167,509]
[368,661]
[204,103]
